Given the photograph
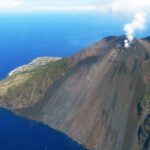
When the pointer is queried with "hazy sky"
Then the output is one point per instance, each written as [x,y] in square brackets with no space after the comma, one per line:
[111,6]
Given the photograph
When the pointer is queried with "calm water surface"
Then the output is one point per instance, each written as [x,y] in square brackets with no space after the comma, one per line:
[27,36]
[17,133]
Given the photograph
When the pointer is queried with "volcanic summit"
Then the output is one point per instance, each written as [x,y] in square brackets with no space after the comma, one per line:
[99,96]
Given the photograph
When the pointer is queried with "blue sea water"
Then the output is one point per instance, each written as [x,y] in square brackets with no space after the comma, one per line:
[27,36]
[24,37]
[17,133]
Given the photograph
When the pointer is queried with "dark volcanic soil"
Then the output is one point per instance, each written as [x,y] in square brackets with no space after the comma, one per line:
[96,102]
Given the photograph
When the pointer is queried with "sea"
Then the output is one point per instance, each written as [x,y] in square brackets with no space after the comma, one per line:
[25,36]
[18,133]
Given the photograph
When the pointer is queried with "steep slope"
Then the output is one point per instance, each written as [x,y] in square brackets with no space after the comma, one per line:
[103,100]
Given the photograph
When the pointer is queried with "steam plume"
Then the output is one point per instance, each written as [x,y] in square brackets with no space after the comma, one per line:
[138,23]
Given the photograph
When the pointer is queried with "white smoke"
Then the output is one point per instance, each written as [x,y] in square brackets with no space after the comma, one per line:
[139,9]
[126,43]
[138,23]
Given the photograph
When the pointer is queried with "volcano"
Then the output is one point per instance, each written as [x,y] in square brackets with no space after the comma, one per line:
[101,99]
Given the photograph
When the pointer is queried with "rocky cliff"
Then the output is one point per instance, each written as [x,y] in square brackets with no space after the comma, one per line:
[99,96]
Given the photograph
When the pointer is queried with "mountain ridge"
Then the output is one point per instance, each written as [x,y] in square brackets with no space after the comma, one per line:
[101,98]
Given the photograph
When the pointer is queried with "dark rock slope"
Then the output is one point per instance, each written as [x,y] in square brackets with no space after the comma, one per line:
[101,101]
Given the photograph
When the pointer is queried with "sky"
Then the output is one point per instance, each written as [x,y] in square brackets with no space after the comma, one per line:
[103,6]
[139,10]
[47,5]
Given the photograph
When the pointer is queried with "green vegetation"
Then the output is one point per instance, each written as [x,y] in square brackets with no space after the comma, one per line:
[28,87]
[144,134]
[144,129]
[144,104]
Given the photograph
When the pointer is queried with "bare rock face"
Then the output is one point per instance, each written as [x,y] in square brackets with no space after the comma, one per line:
[96,102]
